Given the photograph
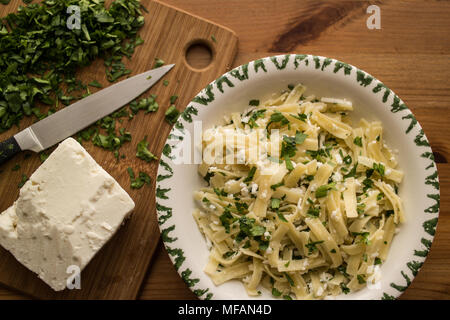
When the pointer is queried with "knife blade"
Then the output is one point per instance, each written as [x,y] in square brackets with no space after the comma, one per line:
[79,115]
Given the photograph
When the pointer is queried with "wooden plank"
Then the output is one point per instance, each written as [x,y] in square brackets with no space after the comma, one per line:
[118,270]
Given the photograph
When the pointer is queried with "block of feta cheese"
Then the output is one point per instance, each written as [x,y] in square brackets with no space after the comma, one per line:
[68,209]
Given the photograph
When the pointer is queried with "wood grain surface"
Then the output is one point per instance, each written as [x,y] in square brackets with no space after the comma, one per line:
[410,54]
[119,268]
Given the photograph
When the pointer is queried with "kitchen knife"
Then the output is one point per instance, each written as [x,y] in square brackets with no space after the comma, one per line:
[68,121]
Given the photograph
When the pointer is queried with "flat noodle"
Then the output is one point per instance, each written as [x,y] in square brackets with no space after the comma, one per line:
[310,207]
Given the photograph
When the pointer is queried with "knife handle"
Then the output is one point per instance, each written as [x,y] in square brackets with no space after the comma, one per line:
[8,149]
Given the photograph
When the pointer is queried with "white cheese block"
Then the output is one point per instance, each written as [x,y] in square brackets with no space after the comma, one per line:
[69,208]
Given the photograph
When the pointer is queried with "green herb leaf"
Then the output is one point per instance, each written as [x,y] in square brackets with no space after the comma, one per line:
[379,167]
[322,191]
[275,203]
[289,164]
[277,117]
[277,185]
[289,279]
[313,212]
[172,114]
[143,152]
[250,175]
[300,137]
[363,235]
[361,279]
[275,292]
[95,84]
[344,288]
[255,116]
[23,180]
[300,116]
[257,231]
[352,172]
[158,63]
[358,141]
[281,216]
[312,246]
[173,99]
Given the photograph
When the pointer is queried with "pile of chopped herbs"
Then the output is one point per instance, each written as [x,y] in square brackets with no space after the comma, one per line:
[39,54]
[40,57]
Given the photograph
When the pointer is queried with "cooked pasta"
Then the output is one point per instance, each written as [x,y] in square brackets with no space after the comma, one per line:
[299,201]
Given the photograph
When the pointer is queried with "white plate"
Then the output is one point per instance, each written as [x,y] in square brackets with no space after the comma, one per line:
[322,77]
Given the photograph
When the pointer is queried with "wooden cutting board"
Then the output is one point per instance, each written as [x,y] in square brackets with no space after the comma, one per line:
[117,271]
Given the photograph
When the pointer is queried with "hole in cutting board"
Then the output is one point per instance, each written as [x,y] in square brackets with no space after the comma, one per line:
[199,55]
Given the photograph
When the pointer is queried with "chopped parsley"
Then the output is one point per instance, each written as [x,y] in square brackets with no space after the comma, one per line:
[361,279]
[158,63]
[281,216]
[250,175]
[277,185]
[138,182]
[368,184]
[254,103]
[379,167]
[173,99]
[143,152]
[289,164]
[300,137]
[289,279]
[43,156]
[95,84]
[241,207]
[389,213]
[347,160]
[322,191]
[360,208]
[313,212]
[172,114]
[226,219]
[364,236]
[358,141]
[23,180]
[344,288]
[256,230]
[275,292]
[228,254]
[255,116]
[312,246]
[300,116]
[275,203]
[352,172]
[277,117]
[41,56]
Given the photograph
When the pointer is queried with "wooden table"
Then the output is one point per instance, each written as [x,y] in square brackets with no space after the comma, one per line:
[410,54]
